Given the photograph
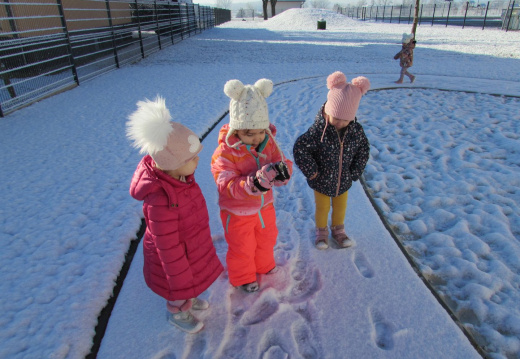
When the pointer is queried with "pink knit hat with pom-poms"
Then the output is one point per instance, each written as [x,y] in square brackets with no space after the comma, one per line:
[170,144]
[343,97]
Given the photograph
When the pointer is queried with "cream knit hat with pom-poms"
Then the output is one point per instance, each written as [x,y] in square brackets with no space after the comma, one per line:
[170,144]
[248,108]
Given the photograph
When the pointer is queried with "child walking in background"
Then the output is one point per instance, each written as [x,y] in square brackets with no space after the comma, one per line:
[405,57]
[246,165]
[180,261]
[332,154]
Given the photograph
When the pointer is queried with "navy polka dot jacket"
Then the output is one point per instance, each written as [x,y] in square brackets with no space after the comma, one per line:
[339,157]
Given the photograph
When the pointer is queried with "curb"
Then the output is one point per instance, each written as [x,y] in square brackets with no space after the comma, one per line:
[417,271]
[104,315]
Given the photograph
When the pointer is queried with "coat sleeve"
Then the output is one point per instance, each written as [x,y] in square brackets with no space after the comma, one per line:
[277,157]
[398,55]
[230,181]
[304,151]
[163,224]
[361,157]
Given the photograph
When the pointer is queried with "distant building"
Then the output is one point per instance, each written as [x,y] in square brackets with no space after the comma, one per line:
[281,6]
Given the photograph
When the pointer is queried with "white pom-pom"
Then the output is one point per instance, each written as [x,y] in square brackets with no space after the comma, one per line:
[406,38]
[233,89]
[149,126]
[265,86]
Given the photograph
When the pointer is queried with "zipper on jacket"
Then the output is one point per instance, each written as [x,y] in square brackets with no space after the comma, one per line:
[340,159]
[227,222]
[257,159]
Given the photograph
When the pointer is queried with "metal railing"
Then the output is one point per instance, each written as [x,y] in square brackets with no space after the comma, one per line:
[50,46]
[490,14]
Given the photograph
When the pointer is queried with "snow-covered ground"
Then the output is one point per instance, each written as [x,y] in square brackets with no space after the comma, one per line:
[444,168]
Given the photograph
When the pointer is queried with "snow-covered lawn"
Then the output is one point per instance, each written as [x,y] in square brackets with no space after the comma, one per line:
[444,167]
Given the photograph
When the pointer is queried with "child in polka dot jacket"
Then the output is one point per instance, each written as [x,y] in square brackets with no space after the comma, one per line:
[332,154]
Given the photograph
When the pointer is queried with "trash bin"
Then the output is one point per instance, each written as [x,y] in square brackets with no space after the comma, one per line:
[322,24]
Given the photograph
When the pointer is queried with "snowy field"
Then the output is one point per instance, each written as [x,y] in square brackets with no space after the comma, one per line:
[444,168]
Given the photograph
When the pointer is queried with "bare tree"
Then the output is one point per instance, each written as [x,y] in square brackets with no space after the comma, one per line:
[223,4]
[415,17]
[264,8]
[273,5]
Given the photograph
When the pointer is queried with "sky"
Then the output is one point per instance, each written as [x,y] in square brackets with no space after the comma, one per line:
[443,170]
[257,4]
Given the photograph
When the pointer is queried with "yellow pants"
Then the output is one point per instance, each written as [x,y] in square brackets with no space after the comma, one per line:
[339,209]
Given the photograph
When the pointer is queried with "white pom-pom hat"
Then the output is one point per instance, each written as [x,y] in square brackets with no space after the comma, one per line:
[407,38]
[170,144]
[248,108]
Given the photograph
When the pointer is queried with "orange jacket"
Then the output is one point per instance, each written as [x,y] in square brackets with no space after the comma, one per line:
[232,166]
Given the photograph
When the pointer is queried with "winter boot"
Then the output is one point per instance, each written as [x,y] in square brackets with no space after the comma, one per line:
[250,287]
[322,238]
[185,321]
[274,270]
[339,235]
[199,304]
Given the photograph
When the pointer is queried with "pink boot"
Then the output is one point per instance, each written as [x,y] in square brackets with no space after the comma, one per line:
[339,235]
[322,238]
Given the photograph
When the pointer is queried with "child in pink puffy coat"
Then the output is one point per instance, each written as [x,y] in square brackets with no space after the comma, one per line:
[247,165]
[180,261]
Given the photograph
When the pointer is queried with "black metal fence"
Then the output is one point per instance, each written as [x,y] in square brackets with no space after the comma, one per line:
[493,14]
[48,46]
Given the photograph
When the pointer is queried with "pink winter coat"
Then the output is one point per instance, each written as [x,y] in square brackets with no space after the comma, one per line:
[180,261]
[231,167]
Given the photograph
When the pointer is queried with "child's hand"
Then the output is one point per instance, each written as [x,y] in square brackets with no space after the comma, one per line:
[264,177]
[282,171]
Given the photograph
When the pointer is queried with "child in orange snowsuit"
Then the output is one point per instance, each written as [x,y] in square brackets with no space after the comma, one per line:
[246,165]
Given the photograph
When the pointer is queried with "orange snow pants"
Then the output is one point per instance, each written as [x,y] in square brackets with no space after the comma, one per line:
[251,240]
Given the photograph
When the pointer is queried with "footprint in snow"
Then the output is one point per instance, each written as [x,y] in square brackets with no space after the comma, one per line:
[196,346]
[275,353]
[165,354]
[261,310]
[233,343]
[307,284]
[363,266]
[272,346]
[382,331]
[303,338]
